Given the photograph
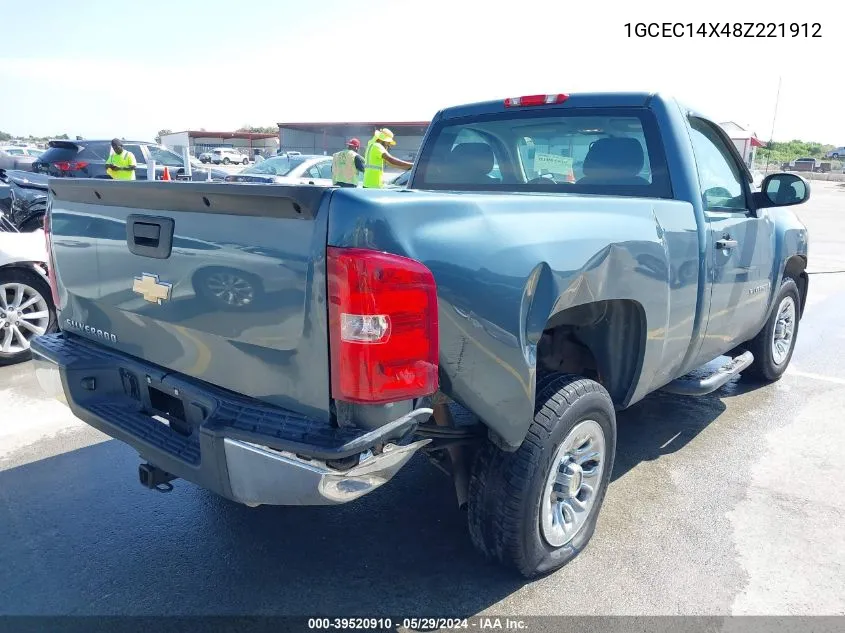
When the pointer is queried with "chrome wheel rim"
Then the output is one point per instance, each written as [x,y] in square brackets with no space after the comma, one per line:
[572,484]
[24,314]
[231,289]
[784,331]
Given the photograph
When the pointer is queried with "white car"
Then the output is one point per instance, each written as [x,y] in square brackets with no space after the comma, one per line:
[288,170]
[26,302]
[836,152]
[227,155]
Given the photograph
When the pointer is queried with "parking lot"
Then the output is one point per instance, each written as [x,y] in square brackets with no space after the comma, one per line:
[727,504]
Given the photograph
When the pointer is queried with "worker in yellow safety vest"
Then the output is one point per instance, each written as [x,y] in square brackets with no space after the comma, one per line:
[377,155]
[346,164]
[121,163]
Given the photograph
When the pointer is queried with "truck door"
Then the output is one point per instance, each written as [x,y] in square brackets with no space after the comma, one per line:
[740,244]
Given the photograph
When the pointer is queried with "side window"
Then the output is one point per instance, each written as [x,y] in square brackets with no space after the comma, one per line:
[137,153]
[325,169]
[719,176]
[164,157]
[313,172]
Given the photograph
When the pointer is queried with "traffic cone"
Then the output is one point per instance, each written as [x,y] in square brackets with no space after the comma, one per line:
[571,176]
[166,174]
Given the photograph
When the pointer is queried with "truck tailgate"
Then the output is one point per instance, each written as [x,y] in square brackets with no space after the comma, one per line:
[221,282]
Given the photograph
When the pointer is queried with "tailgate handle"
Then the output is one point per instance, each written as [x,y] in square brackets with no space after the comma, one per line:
[149,236]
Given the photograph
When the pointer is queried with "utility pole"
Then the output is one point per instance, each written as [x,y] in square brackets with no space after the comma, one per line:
[774,118]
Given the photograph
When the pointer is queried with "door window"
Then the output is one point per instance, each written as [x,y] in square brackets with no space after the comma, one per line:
[135,150]
[313,172]
[325,169]
[719,176]
[164,156]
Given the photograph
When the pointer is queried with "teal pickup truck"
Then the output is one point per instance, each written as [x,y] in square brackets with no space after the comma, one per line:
[552,260]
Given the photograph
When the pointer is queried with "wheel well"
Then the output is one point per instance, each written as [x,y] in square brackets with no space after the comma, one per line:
[604,341]
[795,269]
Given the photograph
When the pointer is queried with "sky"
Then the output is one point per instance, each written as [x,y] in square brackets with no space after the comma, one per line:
[121,68]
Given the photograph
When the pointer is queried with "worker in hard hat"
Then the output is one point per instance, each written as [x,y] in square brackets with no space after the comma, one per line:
[346,164]
[376,155]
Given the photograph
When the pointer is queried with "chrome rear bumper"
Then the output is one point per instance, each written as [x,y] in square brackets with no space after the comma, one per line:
[260,476]
[249,473]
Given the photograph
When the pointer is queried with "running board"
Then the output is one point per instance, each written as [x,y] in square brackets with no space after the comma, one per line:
[709,384]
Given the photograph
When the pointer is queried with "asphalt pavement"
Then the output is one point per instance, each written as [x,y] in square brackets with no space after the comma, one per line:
[727,504]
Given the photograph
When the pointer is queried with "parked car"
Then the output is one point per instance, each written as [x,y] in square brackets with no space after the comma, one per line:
[23,198]
[836,152]
[227,155]
[87,159]
[17,158]
[536,305]
[26,304]
[298,169]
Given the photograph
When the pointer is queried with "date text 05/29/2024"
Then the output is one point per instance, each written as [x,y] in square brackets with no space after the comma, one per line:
[723,29]
[480,623]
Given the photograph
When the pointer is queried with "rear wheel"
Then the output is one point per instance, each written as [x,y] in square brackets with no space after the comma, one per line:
[26,311]
[226,161]
[245,161]
[773,346]
[536,508]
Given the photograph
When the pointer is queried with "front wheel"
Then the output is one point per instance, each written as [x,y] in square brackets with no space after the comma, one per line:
[226,161]
[773,346]
[26,311]
[535,509]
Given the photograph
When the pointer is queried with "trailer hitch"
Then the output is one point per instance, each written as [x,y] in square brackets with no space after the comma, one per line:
[155,478]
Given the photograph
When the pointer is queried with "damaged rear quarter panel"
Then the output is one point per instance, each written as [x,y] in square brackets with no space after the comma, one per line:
[506,263]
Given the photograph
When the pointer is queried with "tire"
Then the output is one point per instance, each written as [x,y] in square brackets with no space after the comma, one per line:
[245,161]
[509,505]
[226,161]
[835,155]
[771,360]
[10,279]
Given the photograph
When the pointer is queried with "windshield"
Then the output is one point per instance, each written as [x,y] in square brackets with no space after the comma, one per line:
[607,152]
[279,166]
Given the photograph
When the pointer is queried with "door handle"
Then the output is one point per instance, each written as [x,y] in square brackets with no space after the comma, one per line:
[725,243]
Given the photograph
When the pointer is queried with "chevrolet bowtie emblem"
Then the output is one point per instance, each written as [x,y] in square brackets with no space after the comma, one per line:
[153,290]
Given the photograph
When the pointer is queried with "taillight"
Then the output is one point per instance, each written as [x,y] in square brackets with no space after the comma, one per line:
[383,330]
[535,100]
[51,263]
[70,165]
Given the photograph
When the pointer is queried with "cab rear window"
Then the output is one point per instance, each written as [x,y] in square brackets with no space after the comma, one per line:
[610,152]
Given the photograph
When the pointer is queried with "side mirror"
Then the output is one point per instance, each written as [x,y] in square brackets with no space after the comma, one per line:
[782,190]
